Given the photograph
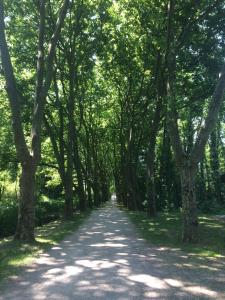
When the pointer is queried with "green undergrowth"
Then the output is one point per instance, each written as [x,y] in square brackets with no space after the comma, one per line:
[15,254]
[165,231]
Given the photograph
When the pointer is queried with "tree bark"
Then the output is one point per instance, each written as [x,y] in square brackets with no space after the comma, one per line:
[150,161]
[154,127]
[68,187]
[26,209]
[150,189]
[189,206]
[78,169]
[215,166]
[69,162]
[88,168]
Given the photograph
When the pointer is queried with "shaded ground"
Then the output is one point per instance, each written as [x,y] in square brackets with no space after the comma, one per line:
[220,217]
[105,259]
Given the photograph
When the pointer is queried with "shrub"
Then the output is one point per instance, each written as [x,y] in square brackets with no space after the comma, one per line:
[47,210]
[8,219]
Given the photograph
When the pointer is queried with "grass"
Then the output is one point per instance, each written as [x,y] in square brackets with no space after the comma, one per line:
[165,230]
[15,254]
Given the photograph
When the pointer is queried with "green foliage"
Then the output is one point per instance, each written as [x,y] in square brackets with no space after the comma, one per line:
[47,210]
[8,218]
[114,55]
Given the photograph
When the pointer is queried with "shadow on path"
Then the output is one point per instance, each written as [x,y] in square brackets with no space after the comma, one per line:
[105,259]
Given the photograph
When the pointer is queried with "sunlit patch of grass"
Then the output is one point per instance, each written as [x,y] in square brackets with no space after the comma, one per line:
[165,230]
[15,254]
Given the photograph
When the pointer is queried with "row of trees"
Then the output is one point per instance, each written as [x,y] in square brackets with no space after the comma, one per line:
[124,94]
[169,58]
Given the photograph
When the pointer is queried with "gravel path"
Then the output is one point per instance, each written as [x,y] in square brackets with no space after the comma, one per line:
[105,259]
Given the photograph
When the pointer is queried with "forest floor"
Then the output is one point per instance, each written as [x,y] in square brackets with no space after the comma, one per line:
[106,259]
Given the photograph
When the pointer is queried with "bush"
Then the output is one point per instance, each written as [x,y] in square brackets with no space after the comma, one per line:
[8,219]
[47,210]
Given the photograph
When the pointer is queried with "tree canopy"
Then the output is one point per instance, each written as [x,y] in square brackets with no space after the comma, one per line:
[102,96]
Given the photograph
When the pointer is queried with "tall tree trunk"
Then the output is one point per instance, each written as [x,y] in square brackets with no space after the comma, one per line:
[208,181]
[188,163]
[202,182]
[89,195]
[66,174]
[103,183]
[96,190]
[26,211]
[132,193]
[215,166]
[150,160]
[154,127]
[150,189]
[69,162]
[95,183]
[68,186]
[78,169]
[88,169]
[189,206]
[186,166]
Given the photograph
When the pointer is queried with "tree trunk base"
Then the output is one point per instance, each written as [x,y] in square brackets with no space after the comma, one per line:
[189,206]
[26,210]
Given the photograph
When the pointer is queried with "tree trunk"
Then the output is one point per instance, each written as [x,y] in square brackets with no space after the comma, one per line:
[154,128]
[202,183]
[96,190]
[190,219]
[130,187]
[78,169]
[26,211]
[215,166]
[104,186]
[69,172]
[150,176]
[150,186]
[88,169]
[89,195]
[68,197]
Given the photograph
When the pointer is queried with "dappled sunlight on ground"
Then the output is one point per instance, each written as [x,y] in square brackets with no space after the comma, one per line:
[105,259]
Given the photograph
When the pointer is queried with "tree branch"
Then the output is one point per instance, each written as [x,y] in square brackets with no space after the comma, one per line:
[210,121]
[11,88]
[40,101]
[171,66]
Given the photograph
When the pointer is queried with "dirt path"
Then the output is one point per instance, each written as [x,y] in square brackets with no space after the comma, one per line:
[105,259]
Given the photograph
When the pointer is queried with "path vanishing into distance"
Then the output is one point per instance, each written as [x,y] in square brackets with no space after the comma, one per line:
[106,259]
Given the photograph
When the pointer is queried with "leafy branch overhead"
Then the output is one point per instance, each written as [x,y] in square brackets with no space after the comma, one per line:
[112,96]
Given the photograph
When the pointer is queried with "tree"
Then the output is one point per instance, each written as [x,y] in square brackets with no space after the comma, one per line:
[188,163]
[29,156]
